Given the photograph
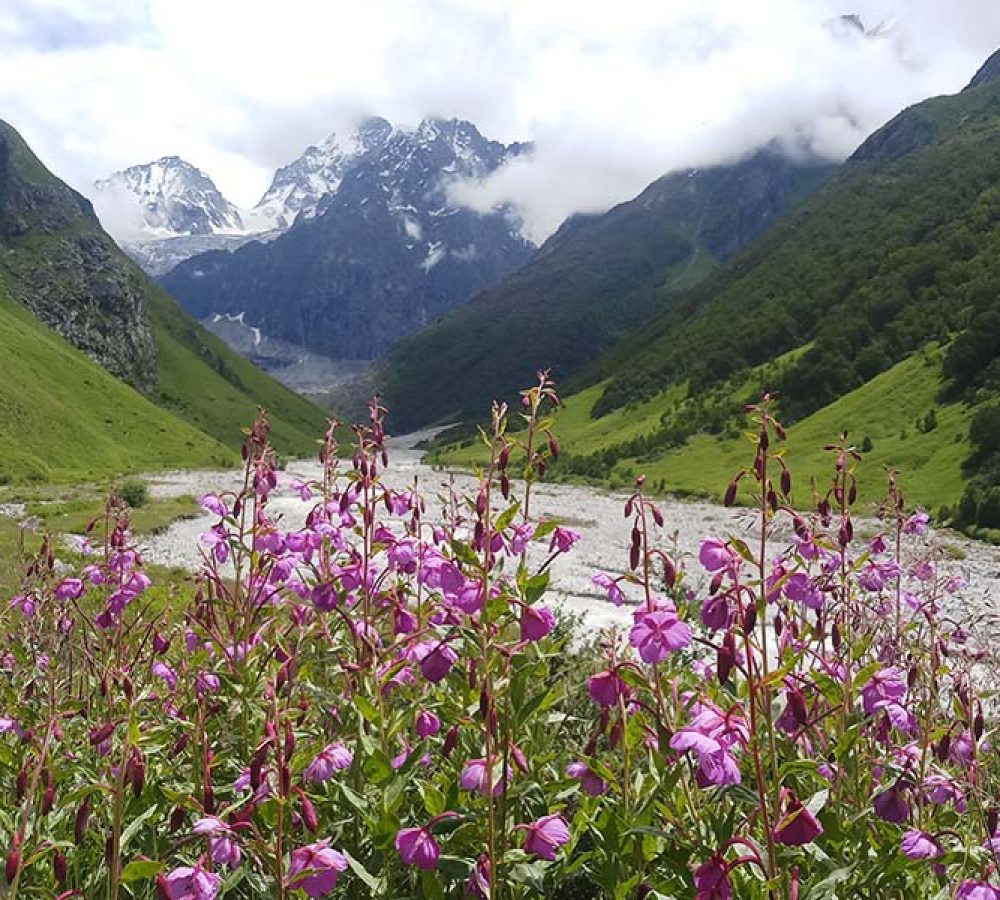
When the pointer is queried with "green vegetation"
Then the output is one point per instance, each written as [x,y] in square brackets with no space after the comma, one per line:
[887,410]
[63,417]
[874,308]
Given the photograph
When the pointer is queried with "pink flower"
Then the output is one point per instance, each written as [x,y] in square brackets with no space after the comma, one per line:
[885,686]
[798,826]
[590,781]
[187,883]
[604,581]
[330,759]
[891,806]
[800,588]
[563,540]
[718,766]
[70,589]
[659,633]
[976,890]
[918,845]
[917,523]
[302,488]
[474,776]
[606,688]
[213,504]
[536,623]
[711,880]
[427,724]
[417,847]
[545,836]
[437,663]
[315,868]
[716,555]
[521,537]
[166,672]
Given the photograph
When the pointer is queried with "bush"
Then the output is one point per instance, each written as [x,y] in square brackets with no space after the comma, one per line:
[134,492]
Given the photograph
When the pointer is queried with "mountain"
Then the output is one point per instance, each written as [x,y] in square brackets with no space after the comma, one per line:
[380,254]
[169,197]
[300,186]
[594,280]
[990,72]
[874,307]
[166,211]
[58,263]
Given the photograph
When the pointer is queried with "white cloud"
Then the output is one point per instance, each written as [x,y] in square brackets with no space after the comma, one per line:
[614,94]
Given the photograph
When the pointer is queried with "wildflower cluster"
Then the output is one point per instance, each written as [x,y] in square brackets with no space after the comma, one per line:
[376,702]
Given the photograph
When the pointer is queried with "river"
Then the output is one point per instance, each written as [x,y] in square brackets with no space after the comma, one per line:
[598,517]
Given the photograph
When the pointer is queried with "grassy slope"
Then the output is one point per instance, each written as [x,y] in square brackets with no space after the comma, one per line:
[885,410]
[62,417]
[217,390]
[197,377]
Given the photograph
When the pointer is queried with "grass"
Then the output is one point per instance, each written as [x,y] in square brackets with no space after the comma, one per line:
[886,410]
[64,511]
[218,391]
[64,419]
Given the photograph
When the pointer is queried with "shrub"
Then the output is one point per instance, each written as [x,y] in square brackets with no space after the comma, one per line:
[134,492]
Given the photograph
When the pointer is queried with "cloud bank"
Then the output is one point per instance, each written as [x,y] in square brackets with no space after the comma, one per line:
[614,95]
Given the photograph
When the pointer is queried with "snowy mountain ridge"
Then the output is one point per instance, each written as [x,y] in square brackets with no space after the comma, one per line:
[166,211]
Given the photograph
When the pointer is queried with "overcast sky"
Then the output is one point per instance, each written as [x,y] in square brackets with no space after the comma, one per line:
[614,93]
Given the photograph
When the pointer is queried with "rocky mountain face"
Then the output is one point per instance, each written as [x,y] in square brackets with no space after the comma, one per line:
[166,211]
[59,264]
[376,251]
[166,198]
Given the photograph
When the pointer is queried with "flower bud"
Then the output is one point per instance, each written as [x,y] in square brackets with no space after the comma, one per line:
[450,741]
[48,799]
[520,760]
[13,859]
[100,735]
[176,818]
[81,821]
[730,497]
[59,868]
[21,784]
[308,813]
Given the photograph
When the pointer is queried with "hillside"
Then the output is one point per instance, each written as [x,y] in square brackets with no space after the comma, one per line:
[591,282]
[875,307]
[895,251]
[64,418]
[61,266]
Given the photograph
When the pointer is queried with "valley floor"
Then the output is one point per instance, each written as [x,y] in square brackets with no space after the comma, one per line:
[595,514]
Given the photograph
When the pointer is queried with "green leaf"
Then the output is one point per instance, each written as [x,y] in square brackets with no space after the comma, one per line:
[434,799]
[367,709]
[378,768]
[137,823]
[139,869]
[371,882]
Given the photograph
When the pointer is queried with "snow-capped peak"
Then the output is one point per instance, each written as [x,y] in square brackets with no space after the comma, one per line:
[298,187]
[165,198]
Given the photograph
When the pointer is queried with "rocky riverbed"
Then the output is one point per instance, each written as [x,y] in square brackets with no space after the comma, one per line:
[596,515]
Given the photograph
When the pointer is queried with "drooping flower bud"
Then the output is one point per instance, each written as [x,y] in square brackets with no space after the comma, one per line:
[81,821]
[13,858]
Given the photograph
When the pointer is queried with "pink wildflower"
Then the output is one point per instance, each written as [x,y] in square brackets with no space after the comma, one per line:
[417,847]
[546,836]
